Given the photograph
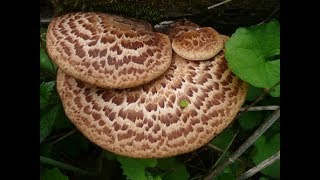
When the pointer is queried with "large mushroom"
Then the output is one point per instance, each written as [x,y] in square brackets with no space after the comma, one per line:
[148,121]
[106,50]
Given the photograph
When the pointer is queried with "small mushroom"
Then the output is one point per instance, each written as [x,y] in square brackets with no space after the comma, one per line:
[108,51]
[176,113]
[196,43]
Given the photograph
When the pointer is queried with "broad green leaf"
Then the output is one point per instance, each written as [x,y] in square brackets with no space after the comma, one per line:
[47,121]
[152,177]
[223,139]
[53,174]
[176,170]
[248,52]
[45,62]
[45,93]
[253,93]
[264,148]
[134,168]
[275,92]
[251,120]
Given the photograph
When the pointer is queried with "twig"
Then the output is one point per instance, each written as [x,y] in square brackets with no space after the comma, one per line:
[61,165]
[261,108]
[45,21]
[267,91]
[271,119]
[64,136]
[218,4]
[270,16]
[221,151]
[196,167]
[260,166]
[225,151]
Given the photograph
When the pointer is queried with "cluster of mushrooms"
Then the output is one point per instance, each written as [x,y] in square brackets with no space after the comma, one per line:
[141,93]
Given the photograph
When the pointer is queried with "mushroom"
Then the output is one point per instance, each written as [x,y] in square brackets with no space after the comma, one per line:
[196,43]
[148,121]
[108,51]
[181,26]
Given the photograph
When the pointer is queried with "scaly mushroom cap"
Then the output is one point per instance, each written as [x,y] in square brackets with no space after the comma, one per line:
[147,121]
[199,44]
[108,51]
[181,26]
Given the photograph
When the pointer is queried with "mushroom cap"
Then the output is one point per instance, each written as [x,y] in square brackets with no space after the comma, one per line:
[181,26]
[224,38]
[147,121]
[108,51]
[199,44]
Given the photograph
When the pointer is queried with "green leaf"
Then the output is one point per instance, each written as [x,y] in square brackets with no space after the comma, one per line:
[253,93]
[275,92]
[248,52]
[264,148]
[45,93]
[47,121]
[223,139]
[151,177]
[175,170]
[45,62]
[53,174]
[251,120]
[135,168]
[183,103]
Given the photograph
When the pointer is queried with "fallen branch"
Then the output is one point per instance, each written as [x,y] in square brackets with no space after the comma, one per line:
[218,4]
[266,91]
[261,108]
[45,21]
[271,119]
[260,166]
[64,136]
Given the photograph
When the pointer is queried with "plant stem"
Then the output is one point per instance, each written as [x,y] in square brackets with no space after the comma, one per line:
[271,119]
[225,151]
[261,108]
[61,165]
[218,4]
[64,136]
[221,151]
[260,166]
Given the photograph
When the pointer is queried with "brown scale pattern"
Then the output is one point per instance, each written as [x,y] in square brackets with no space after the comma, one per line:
[146,121]
[106,50]
[197,44]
